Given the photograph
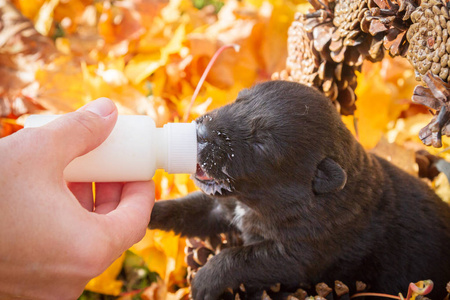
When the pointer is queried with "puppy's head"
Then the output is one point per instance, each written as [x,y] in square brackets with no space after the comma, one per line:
[275,135]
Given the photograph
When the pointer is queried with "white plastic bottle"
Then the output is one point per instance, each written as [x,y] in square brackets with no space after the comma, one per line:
[133,151]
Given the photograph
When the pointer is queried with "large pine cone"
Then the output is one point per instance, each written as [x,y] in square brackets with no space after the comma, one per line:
[428,37]
[327,46]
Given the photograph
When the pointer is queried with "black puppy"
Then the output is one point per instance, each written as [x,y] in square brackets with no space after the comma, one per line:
[312,206]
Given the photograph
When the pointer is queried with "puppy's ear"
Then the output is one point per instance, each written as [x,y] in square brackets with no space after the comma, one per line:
[243,95]
[329,177]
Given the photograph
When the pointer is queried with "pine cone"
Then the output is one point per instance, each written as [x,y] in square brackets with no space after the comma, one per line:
[388,23]
[328,45]
[303,61]
[309,60]
[363,26]
[428,37]
[198,251]
[429,53]
[349,42]
[436,97]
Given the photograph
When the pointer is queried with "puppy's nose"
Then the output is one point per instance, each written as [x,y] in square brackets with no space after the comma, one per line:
[202,133]
[202,128]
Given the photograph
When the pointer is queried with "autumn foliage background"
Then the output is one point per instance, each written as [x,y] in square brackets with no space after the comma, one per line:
[148,56]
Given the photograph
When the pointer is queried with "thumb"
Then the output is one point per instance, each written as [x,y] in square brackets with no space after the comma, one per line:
[81,131]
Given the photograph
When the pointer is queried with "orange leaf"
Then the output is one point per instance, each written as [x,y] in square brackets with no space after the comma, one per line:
[119,22]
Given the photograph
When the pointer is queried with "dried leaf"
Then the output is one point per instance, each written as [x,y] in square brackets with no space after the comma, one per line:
[400,156]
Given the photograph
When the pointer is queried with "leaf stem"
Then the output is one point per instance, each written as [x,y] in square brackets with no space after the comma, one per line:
[375,295]
[205,73]
[131,293]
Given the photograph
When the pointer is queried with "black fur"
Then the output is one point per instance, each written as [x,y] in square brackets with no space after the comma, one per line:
[310,203]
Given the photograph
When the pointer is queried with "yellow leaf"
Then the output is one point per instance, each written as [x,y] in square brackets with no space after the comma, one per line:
[171,13]
[73,14]
[153,255]
[155,38]
[63,45]
[159,250]
[44,19]
[29,8]
[256,3]
[176,43]
[219,97]
[442,187]
[106,282]
[277,19]
[168,242]
[158,83]
[54,95]
[177,277]
[143,65]
[181,182]
[303,6]
[378,104]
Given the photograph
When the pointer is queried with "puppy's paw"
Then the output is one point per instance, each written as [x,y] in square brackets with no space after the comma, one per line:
[208,284]
[165,216]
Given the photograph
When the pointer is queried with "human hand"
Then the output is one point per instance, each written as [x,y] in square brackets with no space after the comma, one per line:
[51,241]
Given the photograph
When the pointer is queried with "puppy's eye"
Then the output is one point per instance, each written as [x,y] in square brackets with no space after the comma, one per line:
[259,148]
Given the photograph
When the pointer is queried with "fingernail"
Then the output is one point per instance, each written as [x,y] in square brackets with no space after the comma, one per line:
[102,107]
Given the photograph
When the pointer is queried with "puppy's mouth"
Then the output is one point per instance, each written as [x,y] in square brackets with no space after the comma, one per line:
[211,185]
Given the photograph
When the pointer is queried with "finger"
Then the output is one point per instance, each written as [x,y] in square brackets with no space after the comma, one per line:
[83,192]
[107,196]
[77,133]
[128,222]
